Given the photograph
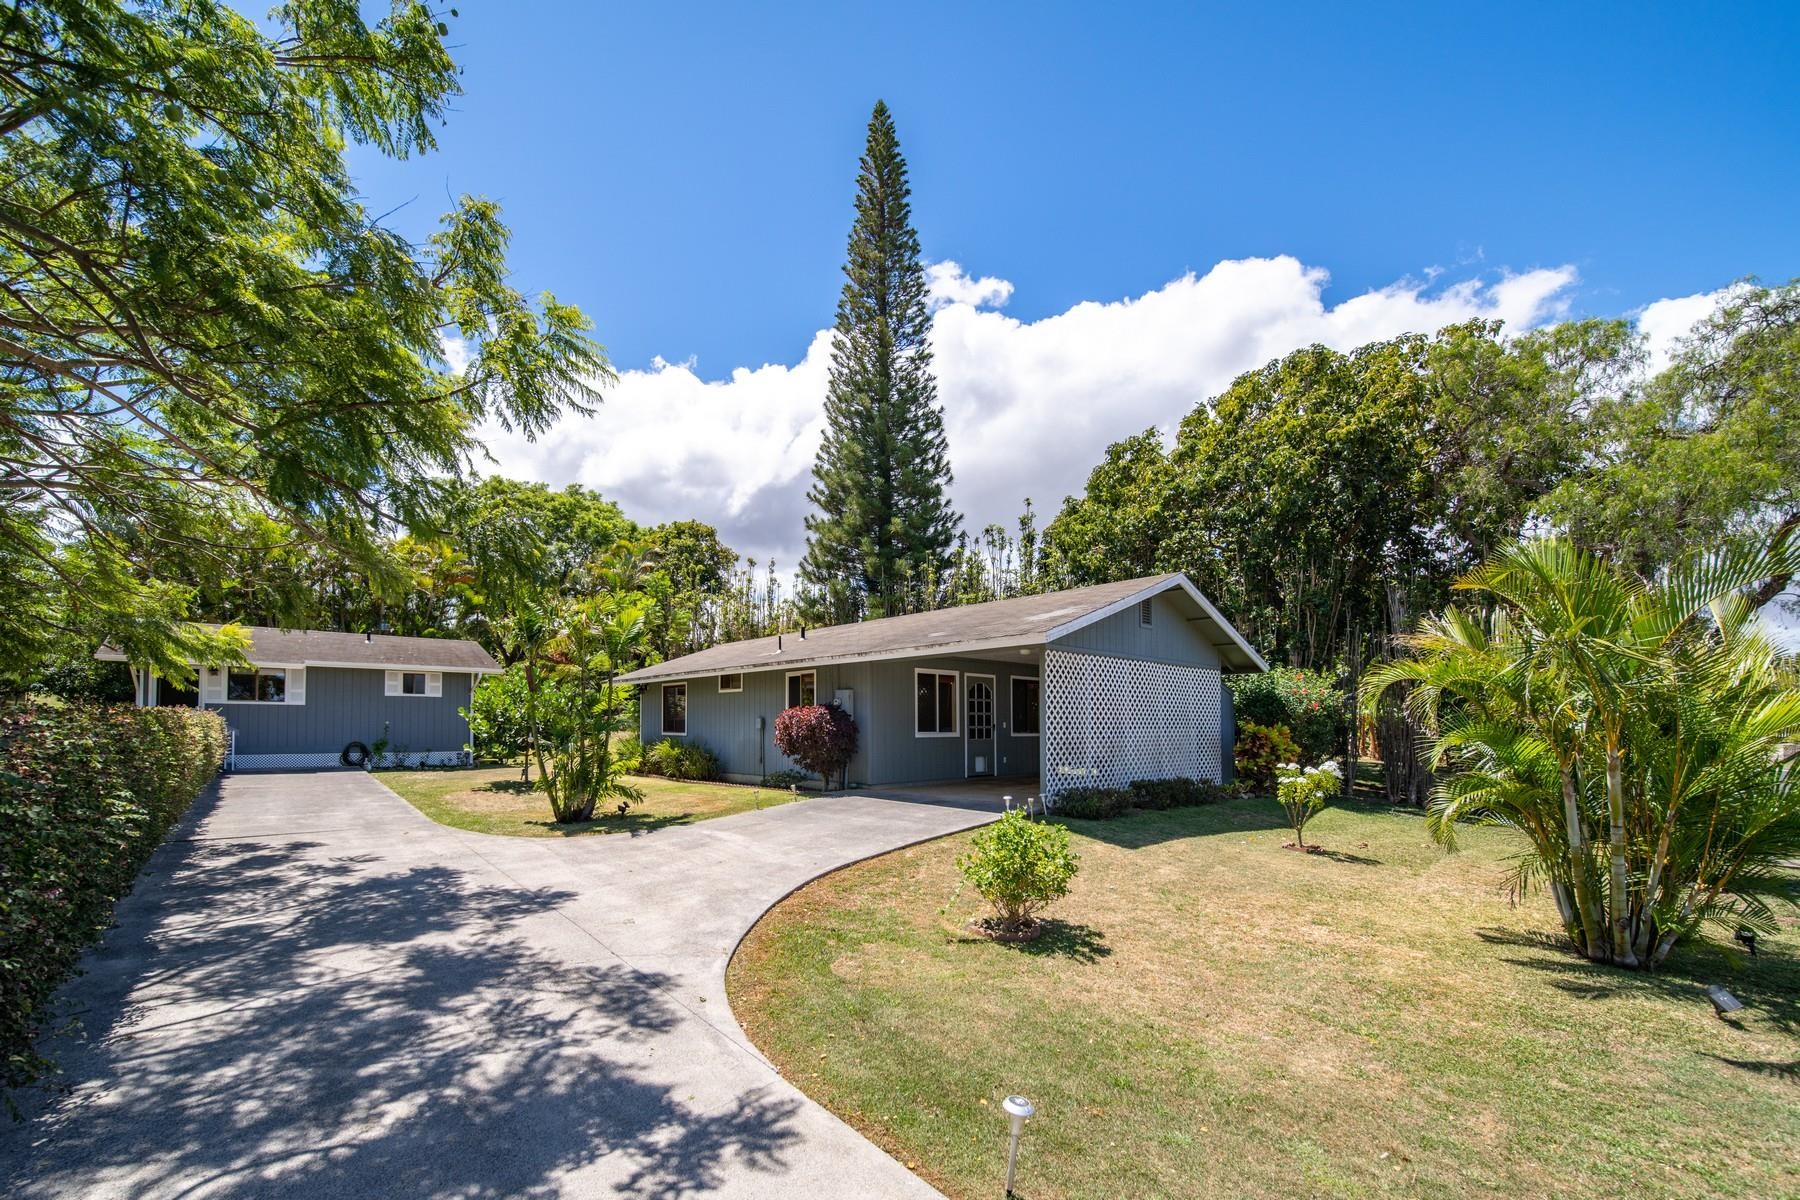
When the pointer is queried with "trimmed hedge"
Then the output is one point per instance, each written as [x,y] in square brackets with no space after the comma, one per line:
[1156,795]
[87,791]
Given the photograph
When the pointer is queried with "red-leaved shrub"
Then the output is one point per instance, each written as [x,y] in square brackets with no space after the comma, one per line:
[820,737]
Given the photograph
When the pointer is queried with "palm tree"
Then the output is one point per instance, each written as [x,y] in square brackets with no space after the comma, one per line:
[527,632]
[1626,727]
[596,641]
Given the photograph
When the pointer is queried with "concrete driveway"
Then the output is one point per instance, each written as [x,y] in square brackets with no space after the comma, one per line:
[316,991]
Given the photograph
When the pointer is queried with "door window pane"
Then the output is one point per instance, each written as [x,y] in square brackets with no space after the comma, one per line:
[981,710]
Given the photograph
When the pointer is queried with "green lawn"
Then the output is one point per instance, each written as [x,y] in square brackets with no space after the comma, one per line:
[494,800]
[1212,1015]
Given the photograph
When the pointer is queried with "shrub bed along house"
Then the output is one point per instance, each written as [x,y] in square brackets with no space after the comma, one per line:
[86,793]
[673,759]
[1104,803]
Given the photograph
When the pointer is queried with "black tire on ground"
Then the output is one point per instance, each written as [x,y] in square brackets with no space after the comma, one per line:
[355,755]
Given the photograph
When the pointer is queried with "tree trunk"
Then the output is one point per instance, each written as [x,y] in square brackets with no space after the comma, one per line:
[1595,946]
[1621,875]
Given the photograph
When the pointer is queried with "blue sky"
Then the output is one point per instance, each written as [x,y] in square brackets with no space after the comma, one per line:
[684,172]
[1128,205]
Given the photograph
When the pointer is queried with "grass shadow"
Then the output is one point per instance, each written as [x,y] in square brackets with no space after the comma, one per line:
[1789,1071]
[509,787]
[1066,939]
[1140,828]
[1340,856]
[1059,939]
[1768,985]
[633,823]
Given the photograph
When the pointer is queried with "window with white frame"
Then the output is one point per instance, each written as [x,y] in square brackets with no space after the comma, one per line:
[934,705]
[803,688]
[674,709]
[259,685]
[1026,701]
[731,683]
[414,683]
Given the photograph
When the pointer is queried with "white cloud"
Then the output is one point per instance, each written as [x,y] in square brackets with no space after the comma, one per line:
[456,353]
[1029,405]
[946,284]
[1665,322]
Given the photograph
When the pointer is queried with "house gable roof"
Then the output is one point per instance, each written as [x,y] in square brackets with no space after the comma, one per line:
[330,648]
[997,624]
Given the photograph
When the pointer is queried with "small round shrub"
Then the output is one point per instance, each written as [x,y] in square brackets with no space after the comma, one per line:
[1020,866]
[1303,791]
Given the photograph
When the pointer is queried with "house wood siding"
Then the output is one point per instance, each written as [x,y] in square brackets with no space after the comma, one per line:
[887,750]
[1171,637]
[345,705]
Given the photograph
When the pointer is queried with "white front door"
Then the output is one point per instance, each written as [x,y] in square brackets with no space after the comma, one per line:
[978,720]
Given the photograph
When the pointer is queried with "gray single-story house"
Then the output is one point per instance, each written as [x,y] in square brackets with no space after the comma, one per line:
[1091,686]
[308,694]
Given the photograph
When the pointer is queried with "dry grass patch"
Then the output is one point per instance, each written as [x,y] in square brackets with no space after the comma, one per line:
[1211,1016]
[495,800]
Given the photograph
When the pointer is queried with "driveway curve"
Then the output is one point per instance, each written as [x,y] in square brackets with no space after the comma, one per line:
[316,991]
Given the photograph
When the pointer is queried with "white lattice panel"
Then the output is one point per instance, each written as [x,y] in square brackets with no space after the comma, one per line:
[1108,721]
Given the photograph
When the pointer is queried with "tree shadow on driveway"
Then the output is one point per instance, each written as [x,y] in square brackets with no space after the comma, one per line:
[270,1020]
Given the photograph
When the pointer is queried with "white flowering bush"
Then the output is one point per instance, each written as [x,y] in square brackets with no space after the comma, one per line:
[1303,791]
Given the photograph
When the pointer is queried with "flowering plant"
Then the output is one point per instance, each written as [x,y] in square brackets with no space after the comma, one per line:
[1303,791]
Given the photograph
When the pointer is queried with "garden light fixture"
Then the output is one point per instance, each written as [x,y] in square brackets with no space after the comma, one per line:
[1723,1002]
[1019,1109]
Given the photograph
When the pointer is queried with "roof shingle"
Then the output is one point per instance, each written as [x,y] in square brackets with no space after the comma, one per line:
[1020,620]
[322,647]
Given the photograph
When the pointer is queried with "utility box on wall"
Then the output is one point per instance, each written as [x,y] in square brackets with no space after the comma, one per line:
[845,698]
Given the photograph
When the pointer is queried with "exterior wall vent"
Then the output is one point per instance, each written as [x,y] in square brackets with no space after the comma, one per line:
[1145,612]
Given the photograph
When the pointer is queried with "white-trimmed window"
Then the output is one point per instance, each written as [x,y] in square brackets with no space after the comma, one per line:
[934,703]
[1027,700]
[802,688]
[415,683]
[1146,612]
[731,683]
[674,709]
[256,685]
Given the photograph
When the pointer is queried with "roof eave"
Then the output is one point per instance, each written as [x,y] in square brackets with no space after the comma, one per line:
[657,673]
[1234,639]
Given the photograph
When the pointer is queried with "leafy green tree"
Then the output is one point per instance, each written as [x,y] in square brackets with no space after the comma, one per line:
[1309,704]
[1626,727]
[202,330]
[1706,450]
[884,524]
[692,556]
[1326,497]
